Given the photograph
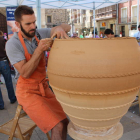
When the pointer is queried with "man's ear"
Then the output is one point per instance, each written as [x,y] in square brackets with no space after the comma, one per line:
[17,24]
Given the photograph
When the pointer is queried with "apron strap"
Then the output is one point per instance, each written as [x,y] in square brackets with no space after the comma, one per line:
[37,39]
[24,45]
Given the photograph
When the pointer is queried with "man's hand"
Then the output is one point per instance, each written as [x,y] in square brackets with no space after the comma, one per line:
[59,33]
[44,45]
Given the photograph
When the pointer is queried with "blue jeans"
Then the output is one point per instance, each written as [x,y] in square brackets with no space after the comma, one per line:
[5,71]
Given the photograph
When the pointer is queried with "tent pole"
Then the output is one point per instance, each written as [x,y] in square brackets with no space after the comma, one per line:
[38,7]
[137,13]
[116,32]
[94,17]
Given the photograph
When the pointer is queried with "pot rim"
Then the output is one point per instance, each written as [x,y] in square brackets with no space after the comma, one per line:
[83,39]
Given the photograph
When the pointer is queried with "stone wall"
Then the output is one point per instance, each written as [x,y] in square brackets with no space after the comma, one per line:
[58,16]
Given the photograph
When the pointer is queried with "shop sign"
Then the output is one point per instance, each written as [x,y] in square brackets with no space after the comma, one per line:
[103,24]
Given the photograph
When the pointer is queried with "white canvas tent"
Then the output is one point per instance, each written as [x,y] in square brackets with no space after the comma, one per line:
[65,4]
[62,4]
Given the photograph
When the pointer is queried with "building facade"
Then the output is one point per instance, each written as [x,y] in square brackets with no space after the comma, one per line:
[82,20]
[75,20]
[127,17]
[106,18]
[54,17]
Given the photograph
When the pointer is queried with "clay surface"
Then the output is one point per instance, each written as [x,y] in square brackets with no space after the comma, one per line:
[95,80]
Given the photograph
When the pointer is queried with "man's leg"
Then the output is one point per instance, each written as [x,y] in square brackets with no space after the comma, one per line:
[5,71]
[0,80]
[59,132]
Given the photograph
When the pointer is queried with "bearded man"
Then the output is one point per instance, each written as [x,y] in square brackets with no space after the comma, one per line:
[26,53]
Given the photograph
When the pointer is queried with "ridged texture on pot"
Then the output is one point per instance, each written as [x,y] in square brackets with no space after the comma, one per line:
[95,80]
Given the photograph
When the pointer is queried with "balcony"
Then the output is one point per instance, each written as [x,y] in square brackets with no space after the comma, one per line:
[106,13]
[125,20]
[134,19]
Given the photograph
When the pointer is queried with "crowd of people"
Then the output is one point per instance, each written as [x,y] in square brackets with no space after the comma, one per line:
[107,34]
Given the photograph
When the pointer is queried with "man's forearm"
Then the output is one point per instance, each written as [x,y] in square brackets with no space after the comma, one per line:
[66,27]
[29,67]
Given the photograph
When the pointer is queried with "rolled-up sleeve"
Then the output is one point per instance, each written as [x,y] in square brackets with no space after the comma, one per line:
[14,52]
[44,32]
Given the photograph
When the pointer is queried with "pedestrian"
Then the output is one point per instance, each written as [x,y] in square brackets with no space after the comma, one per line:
[90,35]
[6,73]
[109,33]
[86,36]
[81,35]
[96,36]
[5,37]
[75,35]
[137,35]
[26,53]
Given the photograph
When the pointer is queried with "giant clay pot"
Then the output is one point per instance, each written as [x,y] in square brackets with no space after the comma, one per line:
[95,80]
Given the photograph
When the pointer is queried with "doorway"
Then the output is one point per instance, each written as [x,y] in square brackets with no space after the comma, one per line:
[123,31]
[111,27]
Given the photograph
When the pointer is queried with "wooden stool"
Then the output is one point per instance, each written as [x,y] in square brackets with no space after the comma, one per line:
[20,126]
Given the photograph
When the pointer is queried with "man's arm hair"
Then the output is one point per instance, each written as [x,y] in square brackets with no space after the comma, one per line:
[27,68]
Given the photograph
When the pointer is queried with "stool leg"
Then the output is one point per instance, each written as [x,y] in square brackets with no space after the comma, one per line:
[29,135]
[48,136]
[139,101]
[15,122]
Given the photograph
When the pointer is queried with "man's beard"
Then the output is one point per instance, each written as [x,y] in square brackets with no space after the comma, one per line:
[27,33]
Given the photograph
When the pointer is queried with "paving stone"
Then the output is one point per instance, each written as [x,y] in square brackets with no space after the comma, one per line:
[129,125]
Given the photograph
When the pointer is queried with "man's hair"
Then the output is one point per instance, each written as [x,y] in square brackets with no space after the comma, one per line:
[22,10]
[139,26]
[108,31]
[93,32]
[1,33]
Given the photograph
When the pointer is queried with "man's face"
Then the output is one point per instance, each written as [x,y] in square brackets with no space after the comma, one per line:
[139,29]
[74,35]
[28,26]
[109,35]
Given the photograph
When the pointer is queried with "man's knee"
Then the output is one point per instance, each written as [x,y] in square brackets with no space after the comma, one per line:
[63,124]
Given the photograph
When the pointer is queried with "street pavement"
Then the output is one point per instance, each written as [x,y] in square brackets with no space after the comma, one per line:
[130,122]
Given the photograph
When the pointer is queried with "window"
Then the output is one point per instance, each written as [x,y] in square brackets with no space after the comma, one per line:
[49,19]
[124,15]
[134,14]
